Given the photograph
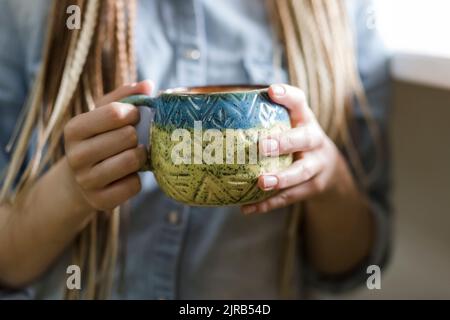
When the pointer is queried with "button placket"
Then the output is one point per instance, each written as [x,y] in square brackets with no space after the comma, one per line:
[173,217]
[191,47]
[193,54]
[168,251]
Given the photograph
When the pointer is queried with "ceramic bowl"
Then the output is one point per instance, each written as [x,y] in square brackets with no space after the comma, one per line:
[203,142]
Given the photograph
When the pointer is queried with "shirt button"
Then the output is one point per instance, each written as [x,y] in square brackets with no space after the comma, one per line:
[173,217]
[193,54]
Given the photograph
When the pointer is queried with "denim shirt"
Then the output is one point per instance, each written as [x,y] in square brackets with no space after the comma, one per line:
[175,251]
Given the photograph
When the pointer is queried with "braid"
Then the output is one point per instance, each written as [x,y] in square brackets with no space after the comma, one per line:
[78,67]
[75,63]
[321,60]
[131,10]
[121,44]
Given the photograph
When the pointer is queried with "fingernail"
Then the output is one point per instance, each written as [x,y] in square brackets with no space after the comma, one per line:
[249,210]
[270,182]
[269,146]
[278,90]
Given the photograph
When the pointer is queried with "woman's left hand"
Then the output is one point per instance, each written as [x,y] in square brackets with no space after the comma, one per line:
[317,160]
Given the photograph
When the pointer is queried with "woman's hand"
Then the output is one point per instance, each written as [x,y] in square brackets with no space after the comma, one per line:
[316,158]
[335,243]
[97,173]
[102,149]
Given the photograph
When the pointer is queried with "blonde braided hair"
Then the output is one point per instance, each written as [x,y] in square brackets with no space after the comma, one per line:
[80,66]
[320,52]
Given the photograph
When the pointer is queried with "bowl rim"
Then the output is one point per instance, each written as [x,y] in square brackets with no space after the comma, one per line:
[215,90]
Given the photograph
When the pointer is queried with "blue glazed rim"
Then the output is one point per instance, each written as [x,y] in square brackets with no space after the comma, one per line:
[225,95]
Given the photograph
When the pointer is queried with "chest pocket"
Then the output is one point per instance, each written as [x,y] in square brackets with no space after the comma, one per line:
[267,68]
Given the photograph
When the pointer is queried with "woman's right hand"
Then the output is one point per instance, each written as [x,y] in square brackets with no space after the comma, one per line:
[102,149]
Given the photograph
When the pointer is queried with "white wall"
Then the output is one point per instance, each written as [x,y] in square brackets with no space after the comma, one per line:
[420,135]
[417,26]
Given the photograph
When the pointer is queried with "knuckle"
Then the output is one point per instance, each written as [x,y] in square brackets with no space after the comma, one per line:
[83,179]
[132,114]
[297,93]
[275,202]
[287,142]
[135,184]
[263,207]
[131,134]
[122,113]
[127,87]
[282,181]
[306,171]
[75,158]
[100,202]
[308,140]
[284,199]
[97,204]
[132,159]
[69,130]
[80,180]
[268,206]
[301,95]
[115,112]
[317,185]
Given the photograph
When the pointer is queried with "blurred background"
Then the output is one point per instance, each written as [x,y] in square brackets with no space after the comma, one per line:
[417,34]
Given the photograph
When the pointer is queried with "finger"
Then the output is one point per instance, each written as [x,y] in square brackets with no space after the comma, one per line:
[299,172]
[294,100]
[282,199]
[91,151]
[117,193]
[143,87]
[304,138]
[114,168]
[112,116]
